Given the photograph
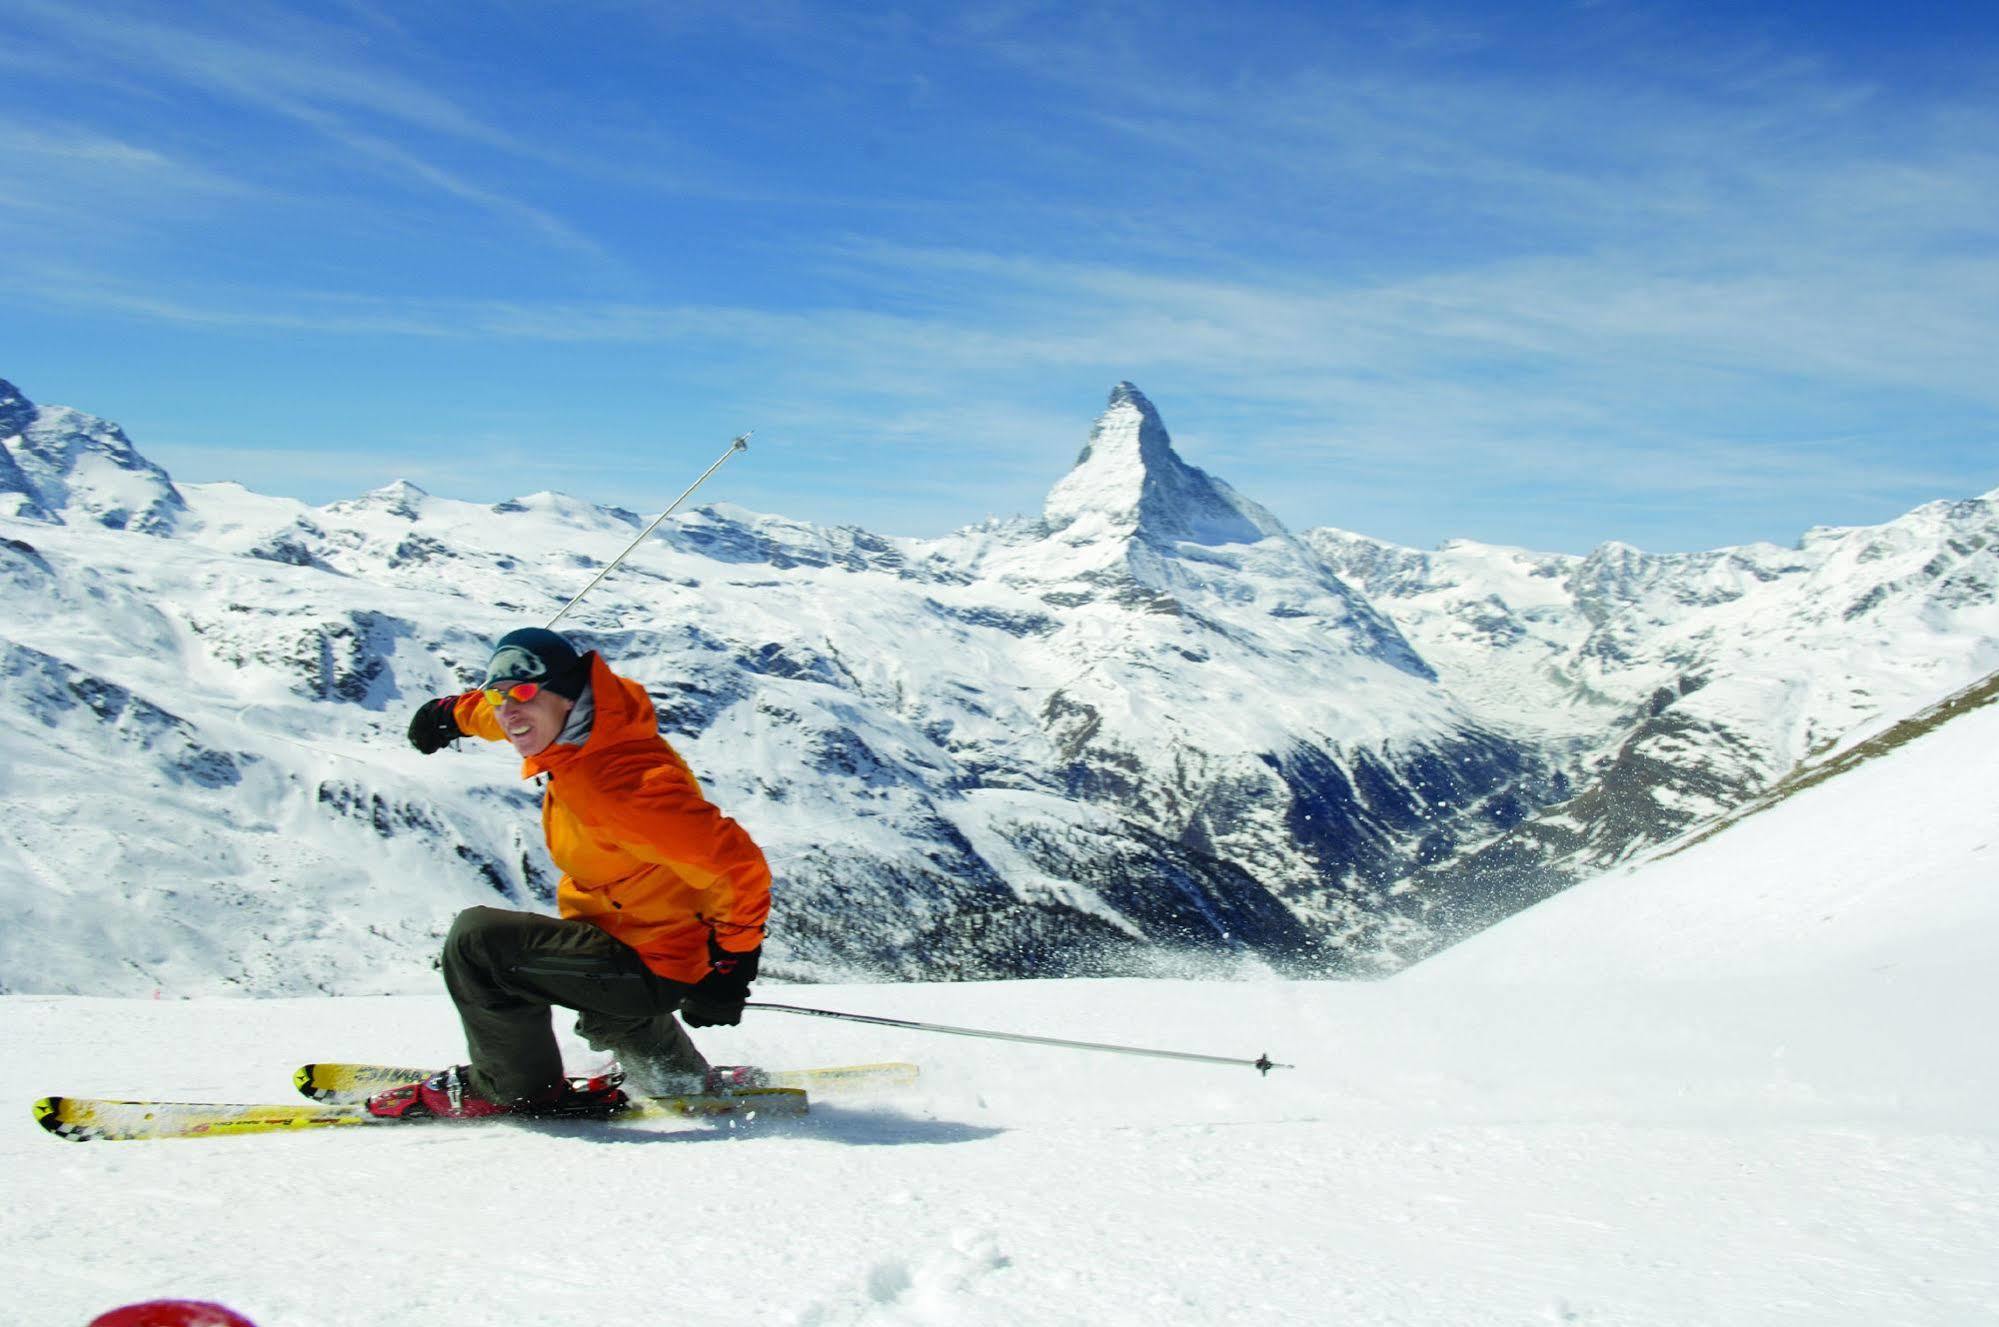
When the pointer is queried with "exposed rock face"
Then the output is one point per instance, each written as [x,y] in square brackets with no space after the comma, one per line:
[61,464]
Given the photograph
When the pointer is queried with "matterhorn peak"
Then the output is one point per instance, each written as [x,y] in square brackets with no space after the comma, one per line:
[1129,482]
[1127,393]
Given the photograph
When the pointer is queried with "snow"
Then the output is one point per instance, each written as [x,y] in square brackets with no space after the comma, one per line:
[1747,1083]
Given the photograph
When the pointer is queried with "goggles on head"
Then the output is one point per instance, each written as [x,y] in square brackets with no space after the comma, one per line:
[521,691]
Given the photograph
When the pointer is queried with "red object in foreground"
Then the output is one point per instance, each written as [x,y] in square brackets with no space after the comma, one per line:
[172,1313]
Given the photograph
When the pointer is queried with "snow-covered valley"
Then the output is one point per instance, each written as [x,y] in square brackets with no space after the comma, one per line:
[1746,1083]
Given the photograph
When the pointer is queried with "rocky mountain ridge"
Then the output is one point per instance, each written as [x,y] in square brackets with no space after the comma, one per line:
[1149,728]
[1682,684]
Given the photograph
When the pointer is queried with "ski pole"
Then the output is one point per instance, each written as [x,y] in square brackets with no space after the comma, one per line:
[1262,1063]
[741,442]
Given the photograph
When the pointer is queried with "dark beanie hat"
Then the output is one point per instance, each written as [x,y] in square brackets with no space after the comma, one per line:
[536,654]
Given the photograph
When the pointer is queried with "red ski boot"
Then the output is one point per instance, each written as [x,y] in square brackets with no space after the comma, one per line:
[448,1095]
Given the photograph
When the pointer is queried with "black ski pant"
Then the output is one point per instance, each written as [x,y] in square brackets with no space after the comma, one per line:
[505,969]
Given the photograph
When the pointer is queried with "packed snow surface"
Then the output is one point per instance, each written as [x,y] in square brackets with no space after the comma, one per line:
[1750,1083]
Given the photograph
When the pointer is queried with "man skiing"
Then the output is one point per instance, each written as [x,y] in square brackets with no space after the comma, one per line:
[663,898]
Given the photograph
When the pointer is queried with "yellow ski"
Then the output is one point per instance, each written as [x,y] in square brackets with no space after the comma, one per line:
[88,1119]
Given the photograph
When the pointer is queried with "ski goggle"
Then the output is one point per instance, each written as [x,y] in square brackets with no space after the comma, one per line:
[521,691]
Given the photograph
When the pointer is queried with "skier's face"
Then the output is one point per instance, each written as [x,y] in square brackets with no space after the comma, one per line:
[532,724]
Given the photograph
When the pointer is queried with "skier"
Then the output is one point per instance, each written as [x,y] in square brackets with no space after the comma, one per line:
[662,901]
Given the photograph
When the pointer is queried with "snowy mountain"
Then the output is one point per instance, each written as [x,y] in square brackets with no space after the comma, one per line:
[1150,727]
[1679,685]
[1129,482]
[1147,729]
[59,464]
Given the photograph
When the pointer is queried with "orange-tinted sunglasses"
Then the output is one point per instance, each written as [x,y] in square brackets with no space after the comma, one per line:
[521,691]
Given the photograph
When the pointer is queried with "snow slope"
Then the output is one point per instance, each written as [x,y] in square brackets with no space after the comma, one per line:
[1750,1083]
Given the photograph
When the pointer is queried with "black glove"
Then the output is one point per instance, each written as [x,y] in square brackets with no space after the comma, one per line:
[434,726]
[719,996]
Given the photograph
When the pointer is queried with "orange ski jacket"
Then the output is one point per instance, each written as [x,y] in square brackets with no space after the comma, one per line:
[644,854]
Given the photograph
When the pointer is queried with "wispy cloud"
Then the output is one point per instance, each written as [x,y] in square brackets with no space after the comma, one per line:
[52,165]
[306,66]
[1336,401]
[305,73]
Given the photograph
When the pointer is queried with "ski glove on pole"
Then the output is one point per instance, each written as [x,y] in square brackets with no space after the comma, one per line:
[434,726]
[719,996]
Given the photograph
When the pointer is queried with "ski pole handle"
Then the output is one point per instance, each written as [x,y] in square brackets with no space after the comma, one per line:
[1263,1063]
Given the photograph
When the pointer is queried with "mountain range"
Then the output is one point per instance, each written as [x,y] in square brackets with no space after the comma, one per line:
[1147,730]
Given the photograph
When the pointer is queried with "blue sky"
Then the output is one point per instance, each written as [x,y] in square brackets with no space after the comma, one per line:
[1543,273]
